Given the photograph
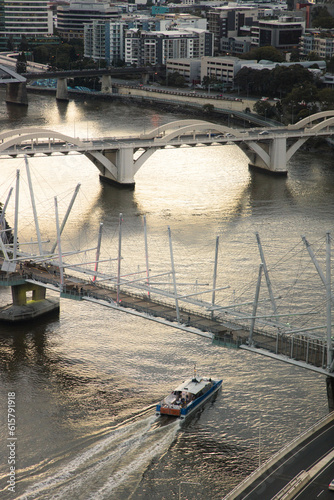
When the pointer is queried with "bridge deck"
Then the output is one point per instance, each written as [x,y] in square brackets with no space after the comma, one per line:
[299,348]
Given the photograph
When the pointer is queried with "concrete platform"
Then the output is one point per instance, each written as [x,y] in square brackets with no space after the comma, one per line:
[29,311]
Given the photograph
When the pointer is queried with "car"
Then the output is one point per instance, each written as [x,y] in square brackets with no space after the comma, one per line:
[331,485]
[229,135]
[264,132]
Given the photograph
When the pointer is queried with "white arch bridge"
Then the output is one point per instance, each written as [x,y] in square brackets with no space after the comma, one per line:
[119,158]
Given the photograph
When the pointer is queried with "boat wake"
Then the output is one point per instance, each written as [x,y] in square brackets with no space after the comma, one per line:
[111,468]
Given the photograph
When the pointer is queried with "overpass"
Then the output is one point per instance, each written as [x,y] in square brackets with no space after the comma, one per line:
[118,159]
[16,83]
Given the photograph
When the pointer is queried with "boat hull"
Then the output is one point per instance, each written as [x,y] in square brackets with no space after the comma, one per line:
[184,412]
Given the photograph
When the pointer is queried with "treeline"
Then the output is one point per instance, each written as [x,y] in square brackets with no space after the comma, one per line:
[277,82]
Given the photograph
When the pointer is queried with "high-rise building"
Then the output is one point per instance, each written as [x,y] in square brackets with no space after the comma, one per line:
[71,18]
[24,18]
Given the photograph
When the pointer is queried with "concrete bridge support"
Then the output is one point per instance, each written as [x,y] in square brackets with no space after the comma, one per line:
[62,92]
[25,309]
[115,166]
[16,93]
[330,392]
[106,85]
[268,156]
[19,293]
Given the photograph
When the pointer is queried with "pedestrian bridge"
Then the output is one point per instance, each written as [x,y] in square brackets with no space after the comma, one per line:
[118,159]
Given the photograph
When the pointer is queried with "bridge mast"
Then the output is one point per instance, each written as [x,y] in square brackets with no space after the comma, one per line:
[66,215]
[146,258]
[173,274]
[98,250]
[16,214]
[215,276]
[61,269]
[32,197]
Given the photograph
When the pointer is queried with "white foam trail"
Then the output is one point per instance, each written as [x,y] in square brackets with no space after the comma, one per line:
[121,476]
[124,452]
[70,469]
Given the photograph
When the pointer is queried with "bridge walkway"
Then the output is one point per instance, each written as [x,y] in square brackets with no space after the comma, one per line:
[222,331]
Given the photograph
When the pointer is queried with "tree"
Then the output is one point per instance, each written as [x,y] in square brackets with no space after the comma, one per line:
[176,80]
[10,44]
[264,108]
[330,65]
[208,108]
[300,102]
[268,53]
[21,63]
[321,18]
[326,99]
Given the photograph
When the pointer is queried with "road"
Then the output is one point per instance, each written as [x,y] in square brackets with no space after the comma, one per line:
[303,458]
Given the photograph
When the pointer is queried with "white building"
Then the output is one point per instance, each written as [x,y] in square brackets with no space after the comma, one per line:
[321,42]
[156,47]
[223,69]
[190,69]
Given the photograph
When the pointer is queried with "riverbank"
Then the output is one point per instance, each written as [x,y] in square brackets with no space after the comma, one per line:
[228,111]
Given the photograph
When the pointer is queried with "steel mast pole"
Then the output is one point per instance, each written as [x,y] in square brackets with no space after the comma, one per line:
[17,190]
[119,256]
[61,270]
[256,301]
[173,273]
[329,301]
[98,250]
[4,238]
[265,269]
[214,276]
[4,208]
[66,215]
[32,198]
[146,259]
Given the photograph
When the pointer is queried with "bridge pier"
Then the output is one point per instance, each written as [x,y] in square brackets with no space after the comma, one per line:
[106,85]
[330,392]
[62,92]
[16,93]
[23,309]
[116,166]
[269,156]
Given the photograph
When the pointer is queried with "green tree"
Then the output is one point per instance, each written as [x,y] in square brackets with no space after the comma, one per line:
[321,18]
[208,108]
[268,53]
[264,108]
[330,65]
[326,99]
[21,63]
[176,80]
[300,102]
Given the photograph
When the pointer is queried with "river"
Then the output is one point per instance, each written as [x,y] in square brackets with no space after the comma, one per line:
[86,381]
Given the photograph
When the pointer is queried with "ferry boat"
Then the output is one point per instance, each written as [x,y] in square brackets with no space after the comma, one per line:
[188,397]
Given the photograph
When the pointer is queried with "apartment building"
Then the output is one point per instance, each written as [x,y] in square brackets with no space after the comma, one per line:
[321,42]
[229,20]
[142,48]
[72,18]
[283,33]
[22,17]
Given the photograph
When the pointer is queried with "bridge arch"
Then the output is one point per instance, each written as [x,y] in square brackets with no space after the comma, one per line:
[31,135]
[118,160]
